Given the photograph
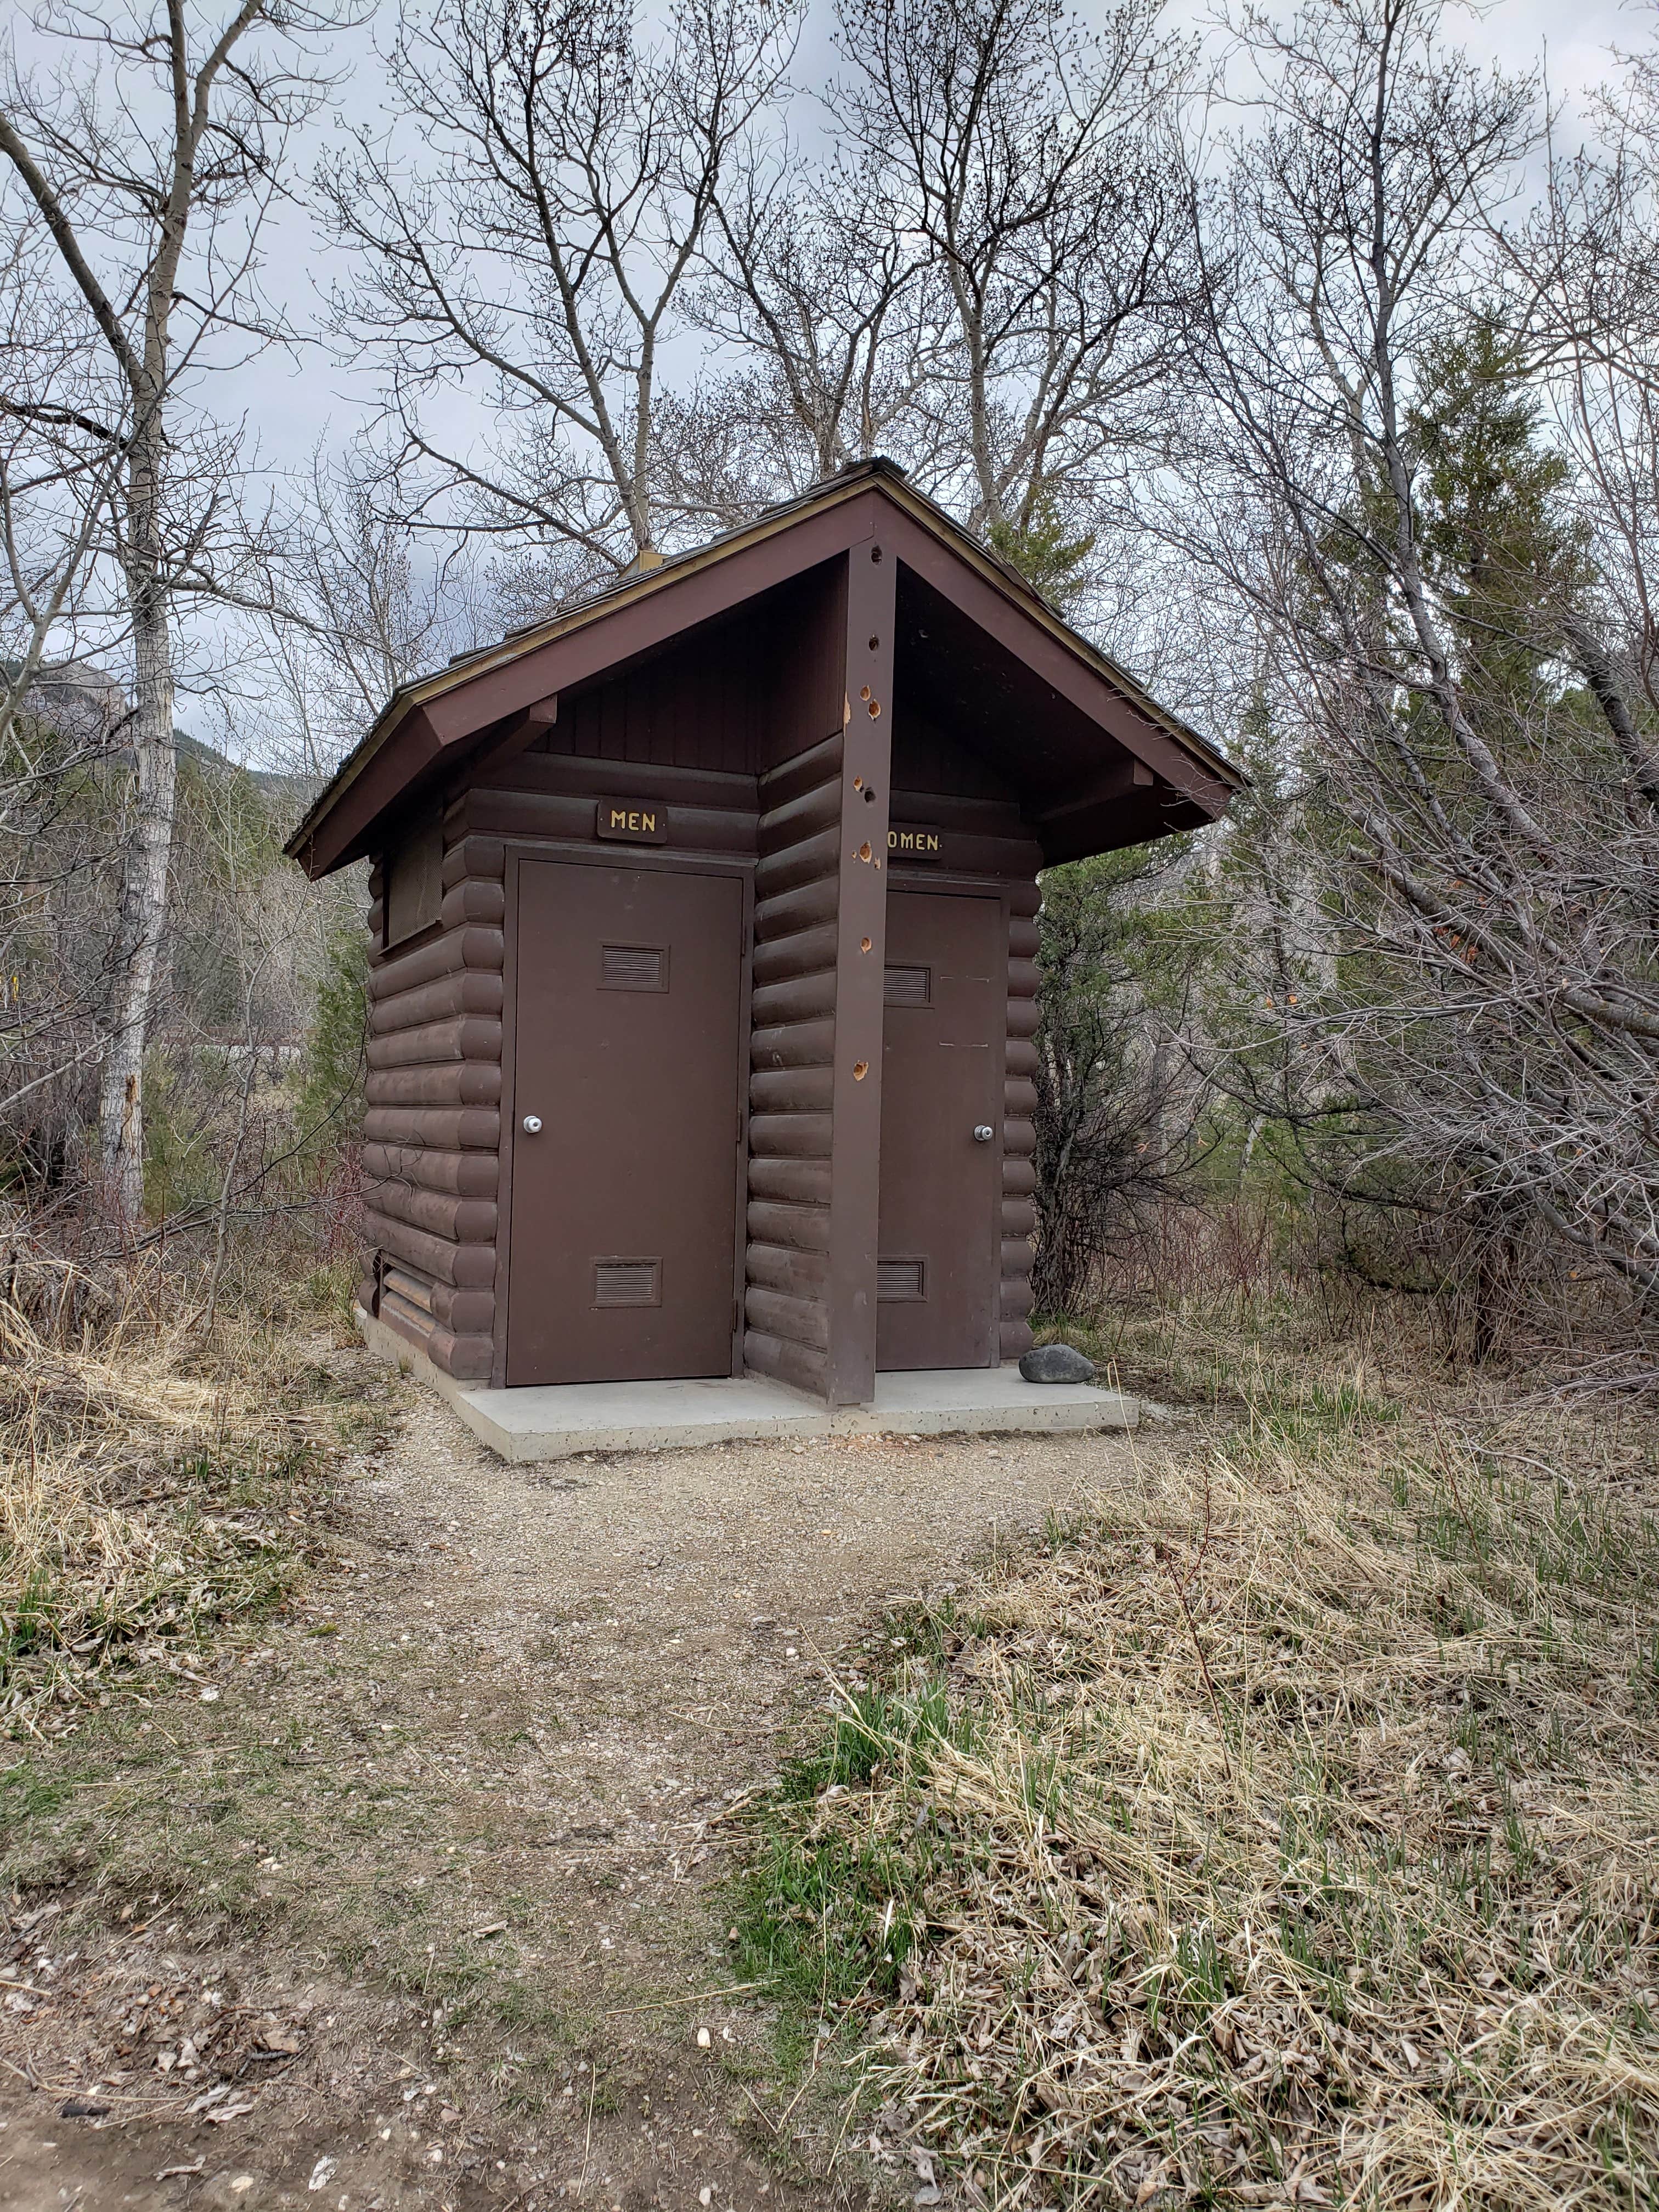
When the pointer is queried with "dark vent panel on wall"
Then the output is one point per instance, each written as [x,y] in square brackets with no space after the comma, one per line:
[633,968]
[628,1282]
[909,987]
[901,1281]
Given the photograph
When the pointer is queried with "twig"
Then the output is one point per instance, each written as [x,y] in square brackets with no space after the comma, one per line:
[760,2109]
[1444,1457]
[696,1996]
[587,2146]
[1161,1552]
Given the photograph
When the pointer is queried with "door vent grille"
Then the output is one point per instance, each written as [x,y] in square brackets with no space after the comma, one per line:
[900,1282]
[908,987]
[633,967]
[628,1282]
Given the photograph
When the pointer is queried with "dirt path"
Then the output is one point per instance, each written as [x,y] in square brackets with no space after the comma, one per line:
[422,1881]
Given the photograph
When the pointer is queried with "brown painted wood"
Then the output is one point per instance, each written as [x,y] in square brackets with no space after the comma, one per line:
[817,807]
[466,991]
[806,1183]
[448,1130]
[788,866]
[799,1274]
[480,949]
[773,724]
[940,1190]
[792,1045]
[469,1267]
[462,1036]
[795,998]
[467,1358]
[465,1083]
[569,816]
[484,857]
[791,1090]
[623,1204]
[561,772]
[1019,1215]
[810,952]
[461,1220]
[426,739]
[804,1227]
[966,854]
[467,1175]
[790,1136]
[466,1313]
[471,901]
[802,1320]
[792,914]
[865,781]
[798,1044]
[801,1365]
[814,764]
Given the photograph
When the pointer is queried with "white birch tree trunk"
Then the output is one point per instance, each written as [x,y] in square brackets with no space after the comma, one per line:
[147,859]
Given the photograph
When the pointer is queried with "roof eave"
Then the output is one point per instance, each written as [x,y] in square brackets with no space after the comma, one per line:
[854,482]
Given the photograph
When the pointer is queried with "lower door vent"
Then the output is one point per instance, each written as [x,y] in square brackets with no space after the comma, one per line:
[628,1282]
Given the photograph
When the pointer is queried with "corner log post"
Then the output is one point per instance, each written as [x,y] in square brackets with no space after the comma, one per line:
[861,961]
[432,1131]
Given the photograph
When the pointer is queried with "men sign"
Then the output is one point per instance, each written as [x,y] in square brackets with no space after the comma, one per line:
[632,820]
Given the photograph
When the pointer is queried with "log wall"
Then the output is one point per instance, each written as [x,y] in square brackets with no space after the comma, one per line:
[792,1058]
[692,728]
[741,736]
[431,1130]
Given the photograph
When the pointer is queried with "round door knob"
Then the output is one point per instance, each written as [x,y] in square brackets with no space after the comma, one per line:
[983,1134]
[532,1123]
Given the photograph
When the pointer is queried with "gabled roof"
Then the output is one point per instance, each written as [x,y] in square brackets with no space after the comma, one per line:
[427,723]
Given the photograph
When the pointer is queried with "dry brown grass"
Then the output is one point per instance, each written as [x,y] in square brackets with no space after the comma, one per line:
[1289,1833]
[147,1489]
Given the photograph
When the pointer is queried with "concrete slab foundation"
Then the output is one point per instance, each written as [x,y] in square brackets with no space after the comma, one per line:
[555,1420]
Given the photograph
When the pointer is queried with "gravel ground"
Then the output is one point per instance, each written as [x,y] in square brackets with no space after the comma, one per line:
[514,1733]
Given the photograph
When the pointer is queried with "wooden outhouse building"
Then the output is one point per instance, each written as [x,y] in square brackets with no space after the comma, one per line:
[703,980]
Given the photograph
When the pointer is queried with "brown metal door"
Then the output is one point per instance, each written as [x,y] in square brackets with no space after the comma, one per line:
[624,1201]
[939,1248]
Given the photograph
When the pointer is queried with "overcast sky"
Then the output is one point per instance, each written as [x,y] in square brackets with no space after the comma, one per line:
[290,404]
[294,406]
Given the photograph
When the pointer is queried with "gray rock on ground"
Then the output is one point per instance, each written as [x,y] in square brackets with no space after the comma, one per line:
[1056,1363]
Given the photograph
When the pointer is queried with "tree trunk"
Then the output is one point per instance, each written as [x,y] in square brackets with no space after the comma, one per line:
[148,852]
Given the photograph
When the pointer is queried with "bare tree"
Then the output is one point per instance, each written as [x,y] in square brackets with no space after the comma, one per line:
[1463,1019]
[830,311]
[534,267]
[365,607]
[148,171]
[58,469]
[1038,165]
[1120,1100]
